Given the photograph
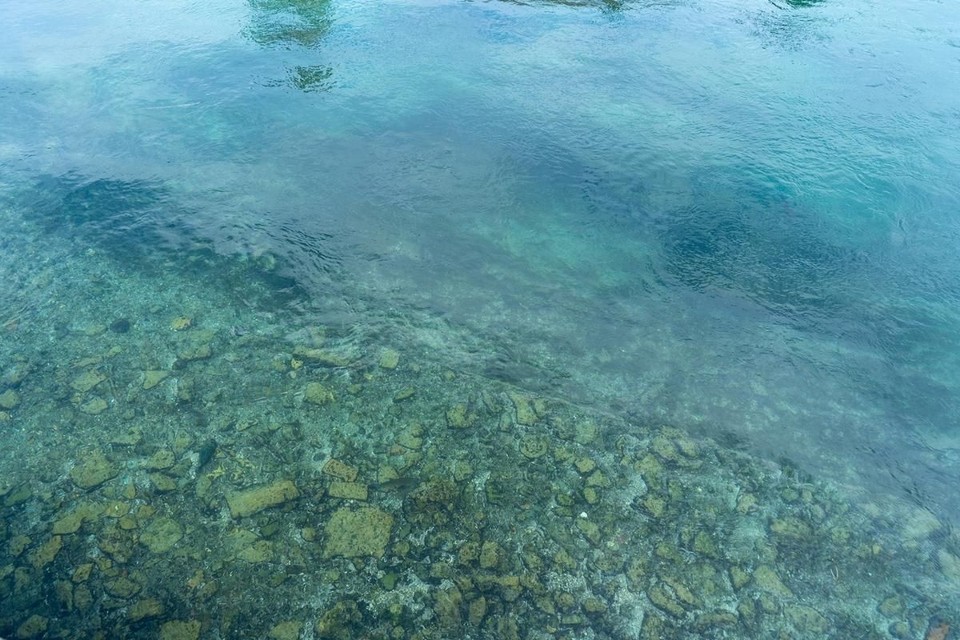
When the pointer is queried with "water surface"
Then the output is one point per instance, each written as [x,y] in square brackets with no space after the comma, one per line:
[738,218]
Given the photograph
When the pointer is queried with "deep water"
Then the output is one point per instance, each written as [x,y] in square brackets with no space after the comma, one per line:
[740,219]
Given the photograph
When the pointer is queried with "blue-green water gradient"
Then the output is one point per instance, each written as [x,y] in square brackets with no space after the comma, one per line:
[740,217]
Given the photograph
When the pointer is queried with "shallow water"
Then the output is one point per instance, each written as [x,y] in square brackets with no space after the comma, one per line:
[739,219]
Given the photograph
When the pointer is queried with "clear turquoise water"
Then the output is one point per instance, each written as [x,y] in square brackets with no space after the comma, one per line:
[739,217]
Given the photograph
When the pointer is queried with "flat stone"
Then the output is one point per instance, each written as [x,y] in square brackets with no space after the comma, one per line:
[251,501]
[47,552]
[94,406]
[316,393]
[9,399]
[460,417]
[196,352]
[154,377]
[34,627]
[389,359]
[259,551]
[122,587]
[180,630]
[180,323]
[162,459]
[348,490]
[71,522]
[93,471]
[161,534]
[526,414]
[145,609]
[341,470]
[404,394]
[286,630]
[767,580]
[321,356]
[353,533]
[162,483]
[87,380]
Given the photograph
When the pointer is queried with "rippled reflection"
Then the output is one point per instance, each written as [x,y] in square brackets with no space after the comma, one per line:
[298,25]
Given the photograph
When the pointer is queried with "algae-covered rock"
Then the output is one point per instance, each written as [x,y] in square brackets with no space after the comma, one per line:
[316,393]
[162,459]
[793,528]
[161,534]
[590,529]
[18,544]
[767,580]
[389,359]
[144,609]
[286,630]
[47,552]
[808,620]
[180,630]
[87,380]
[82,572]
[404,394]
[93,470]
[353,533]
[259,551]
[433,501]
[348,490]
[33,627]
[459,416]
[586,432]
[447,605]
[739,577]
[665,601]
[526,414]
[122,587]
[339,622]
[490,554]
[195,352]
[162,483]
[251,501]
[534,446]
[340,469]
[181,323]
[411,437]
[584,465]
[153,377]
[477,611]
[94,406]
[9,399]
[71,522]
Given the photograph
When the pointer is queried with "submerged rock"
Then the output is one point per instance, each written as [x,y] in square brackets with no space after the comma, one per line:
[389,359]
[251,501]
[180,630]
[87,380]
[352,533]
[9,399]
[93,471]
[161,534]
[316,393]
[153,377]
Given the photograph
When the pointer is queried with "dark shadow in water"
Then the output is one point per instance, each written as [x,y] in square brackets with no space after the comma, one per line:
[299,26]
[108,211]
[139,224]
[795,4]
[770,253]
